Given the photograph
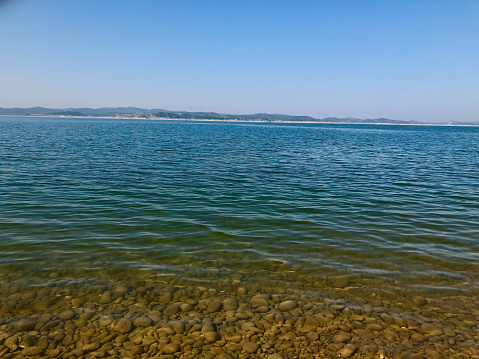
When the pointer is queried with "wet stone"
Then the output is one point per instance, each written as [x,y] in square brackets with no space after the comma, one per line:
[287,305]
[364,334]
[32,351]
[91,346]
[142,321]
[250,347]
[230,304]
[212,337]
[178,326]
[26,325]
[123,326]
[171,310]
[67,315]
[105,298]
[420,301]
[348,350]
[431,329]
[215,306]
[105,320]
[171,348]
[341,338]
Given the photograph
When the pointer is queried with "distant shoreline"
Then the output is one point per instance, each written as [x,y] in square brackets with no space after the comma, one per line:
[237,120]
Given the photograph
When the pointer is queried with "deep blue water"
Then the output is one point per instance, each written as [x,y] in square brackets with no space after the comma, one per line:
[200,200]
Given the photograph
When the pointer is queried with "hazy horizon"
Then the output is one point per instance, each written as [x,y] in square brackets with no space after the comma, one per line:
[404,61]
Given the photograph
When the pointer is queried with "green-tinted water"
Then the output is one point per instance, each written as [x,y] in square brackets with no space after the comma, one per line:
[129,218]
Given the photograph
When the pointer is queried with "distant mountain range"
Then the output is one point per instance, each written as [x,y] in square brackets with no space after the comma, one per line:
[135,112]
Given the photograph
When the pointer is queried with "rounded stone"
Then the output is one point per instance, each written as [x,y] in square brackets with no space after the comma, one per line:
[230,304]
[105,320]
[170,310]
[215,306]
[12,343]
[123,326]
[67,315]
[287,305]
[431,329]
[178,326]
[420,301]
[348,350]
[142,321]
[171,348]
[32,351]
[91,346]
[341,338]
[25,325]
[224,356]
[212,337]
[250,347]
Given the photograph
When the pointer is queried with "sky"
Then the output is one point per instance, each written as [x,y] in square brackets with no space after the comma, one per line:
[405,60]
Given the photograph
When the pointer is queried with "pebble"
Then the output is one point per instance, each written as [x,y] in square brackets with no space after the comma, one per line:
[341,338]
[178,326]
[25,325]
[91,346]
[230,304]
[142,321]
[171,348]
[431,329]
[287,305]
[171,310]
[123,326]
[224,356]
[420,301]
[250,347]
[105,320]
[168,322]
[348,350]
[67,314]
[215,306]
[212,337]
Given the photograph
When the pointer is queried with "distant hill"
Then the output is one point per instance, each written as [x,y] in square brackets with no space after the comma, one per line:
[160,113]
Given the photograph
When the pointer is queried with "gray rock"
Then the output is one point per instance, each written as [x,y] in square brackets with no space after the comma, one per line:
[275,356]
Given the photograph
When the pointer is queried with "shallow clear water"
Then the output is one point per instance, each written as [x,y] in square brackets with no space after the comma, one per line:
[310,207]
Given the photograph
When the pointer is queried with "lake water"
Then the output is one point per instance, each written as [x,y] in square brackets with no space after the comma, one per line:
[127,218]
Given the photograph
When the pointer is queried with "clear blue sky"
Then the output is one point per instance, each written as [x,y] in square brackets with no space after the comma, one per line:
[409,60]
